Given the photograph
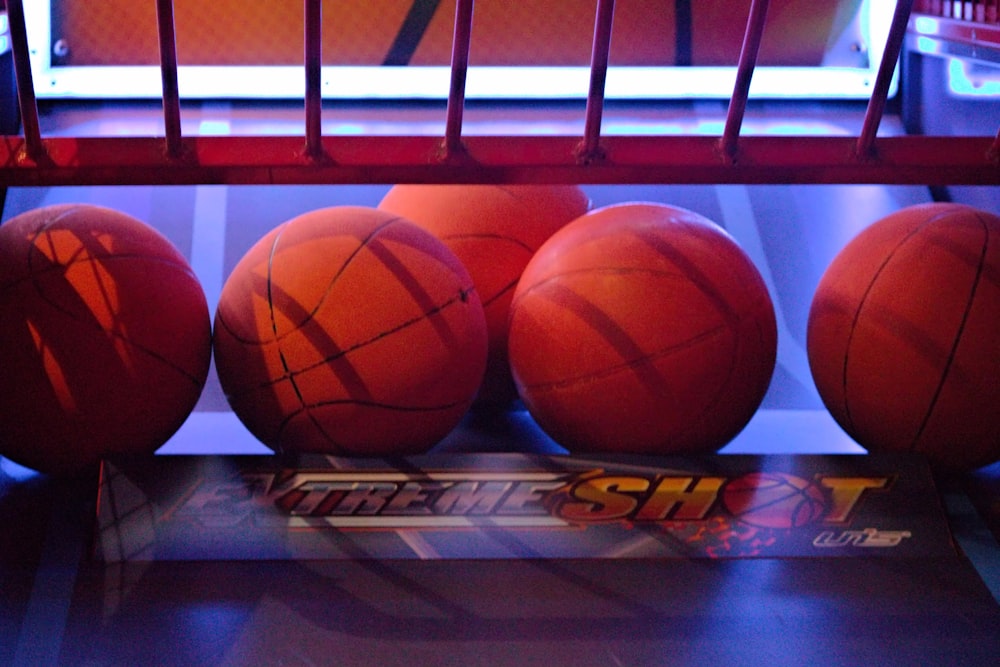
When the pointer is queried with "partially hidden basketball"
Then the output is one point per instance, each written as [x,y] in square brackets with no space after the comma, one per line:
[902,335]
[105,338]
[643,328]
[350,331]
[774,500]
[494,230]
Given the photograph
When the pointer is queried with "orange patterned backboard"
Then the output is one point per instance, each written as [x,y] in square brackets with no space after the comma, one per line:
[419,32]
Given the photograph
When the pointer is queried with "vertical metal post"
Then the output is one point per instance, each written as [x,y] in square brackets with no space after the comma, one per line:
[168,74]
[314,81]
[876,104]
[590,148]
[744,74]
[459,71]
[27,104]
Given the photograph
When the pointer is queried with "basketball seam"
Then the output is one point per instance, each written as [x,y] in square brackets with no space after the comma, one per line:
[73,209]
[56,268]
[387,406]
[371,404]
[730,321]
[617,368]
[708,410]
[193,378]
[598,270]
[510,193]
[850,425]
[485,235]
[509,287]
[289,374]
[307,408]
[958,336]
[32,278]
[333,279]
[270,305]
[274,330]
[693,272]
[357,346]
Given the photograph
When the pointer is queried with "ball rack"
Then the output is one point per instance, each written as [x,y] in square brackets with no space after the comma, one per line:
[31,159]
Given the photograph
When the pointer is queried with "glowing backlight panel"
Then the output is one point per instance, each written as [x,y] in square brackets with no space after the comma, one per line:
[524,50]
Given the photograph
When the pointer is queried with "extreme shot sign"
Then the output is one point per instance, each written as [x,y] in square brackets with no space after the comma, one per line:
[520,506]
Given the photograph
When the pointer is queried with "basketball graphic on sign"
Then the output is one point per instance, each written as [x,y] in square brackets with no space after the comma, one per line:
[774,500]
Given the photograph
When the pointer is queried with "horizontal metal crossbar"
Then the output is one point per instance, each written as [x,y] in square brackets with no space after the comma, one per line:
[490,159]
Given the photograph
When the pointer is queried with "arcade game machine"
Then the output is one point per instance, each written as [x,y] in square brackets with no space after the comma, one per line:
[534,333]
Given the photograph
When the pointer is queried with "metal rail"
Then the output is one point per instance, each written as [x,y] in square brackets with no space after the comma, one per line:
[876,105]
[31,159]
[168,74]
[314,79]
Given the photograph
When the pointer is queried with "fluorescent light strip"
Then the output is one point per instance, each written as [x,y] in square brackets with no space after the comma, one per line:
[432,83]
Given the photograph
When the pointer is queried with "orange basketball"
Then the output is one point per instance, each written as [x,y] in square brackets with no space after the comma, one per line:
[105,338]
[642,328]
[902,335]
[494,230]
[349,330]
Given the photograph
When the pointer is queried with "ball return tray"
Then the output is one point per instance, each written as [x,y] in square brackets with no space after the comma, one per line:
[506,558]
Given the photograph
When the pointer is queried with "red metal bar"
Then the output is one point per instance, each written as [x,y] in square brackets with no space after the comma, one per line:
[168,74]
[590,148]
[459,71]
[239,160]
[28,106]
[880,92]
[744,73]
[314,79]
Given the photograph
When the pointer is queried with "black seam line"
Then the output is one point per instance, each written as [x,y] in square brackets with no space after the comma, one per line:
[290,374]
[861,305]
[329,288]
[630,364]
[462,295]
[362,245]
[411,32]
[958,336]
[507,289]
[614,271]
[308,408]
[376,404]
[61,267]
[464,236]
[112,332]
[857,316]
[274,322]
